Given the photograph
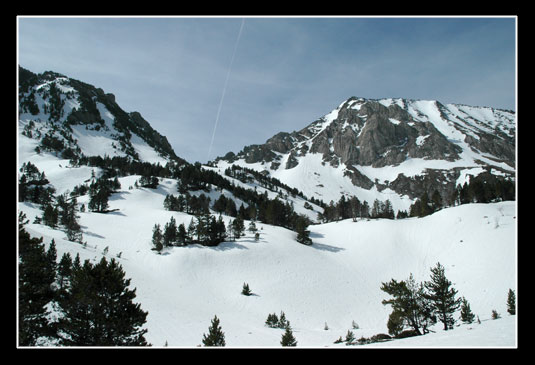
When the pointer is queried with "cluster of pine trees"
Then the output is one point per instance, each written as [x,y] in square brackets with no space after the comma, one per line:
[92,303]
[34,186]
[484,188]
[247,175]
[192,177]
[216,337]
[187,203]
[57,211]
[204,229]
[352,207]
[100,191]
[420,305]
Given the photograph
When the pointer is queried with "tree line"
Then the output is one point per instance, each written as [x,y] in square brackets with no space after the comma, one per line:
[480,189]
[352,207]
[484,188]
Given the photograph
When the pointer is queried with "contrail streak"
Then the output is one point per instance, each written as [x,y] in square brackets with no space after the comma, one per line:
[224,89]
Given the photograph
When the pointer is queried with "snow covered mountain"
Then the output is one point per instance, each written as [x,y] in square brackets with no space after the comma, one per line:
[325,288]
[72,118]
[394,149]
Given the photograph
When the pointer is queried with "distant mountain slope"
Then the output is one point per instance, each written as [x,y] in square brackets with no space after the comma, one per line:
[393,149]
[73,118]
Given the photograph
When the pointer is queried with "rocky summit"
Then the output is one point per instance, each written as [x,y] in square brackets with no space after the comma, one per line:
[393,149]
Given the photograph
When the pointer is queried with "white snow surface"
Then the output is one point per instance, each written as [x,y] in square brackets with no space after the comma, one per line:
[335,281]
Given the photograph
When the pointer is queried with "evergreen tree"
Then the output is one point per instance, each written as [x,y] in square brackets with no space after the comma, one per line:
[170,233]
[182,236]
[388,211]
[442,296]
[511,302]
[272,320]
[35,291]
[99,193]
[252,227]
[98,309]
[191,230]
[466,313]
[288,339]
[215,337]
[245,290]
[410,303]
[436,201]
[50,216]
[350,338]
[157,238]
[303,235]
[395,323]
[64,270]
[221,230]
[238,227]
[283,322]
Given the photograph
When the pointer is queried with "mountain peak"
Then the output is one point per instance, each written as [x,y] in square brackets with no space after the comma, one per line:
[396,147]
[74,118]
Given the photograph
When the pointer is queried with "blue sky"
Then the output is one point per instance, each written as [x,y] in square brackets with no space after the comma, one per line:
[287,71]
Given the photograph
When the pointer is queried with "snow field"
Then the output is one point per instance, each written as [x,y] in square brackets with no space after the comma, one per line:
[335,281]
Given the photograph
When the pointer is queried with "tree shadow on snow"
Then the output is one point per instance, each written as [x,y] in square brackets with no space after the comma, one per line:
[224,246]
[324,247]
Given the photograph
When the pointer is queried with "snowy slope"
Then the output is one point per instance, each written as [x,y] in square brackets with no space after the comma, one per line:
[84,122]
[334,281]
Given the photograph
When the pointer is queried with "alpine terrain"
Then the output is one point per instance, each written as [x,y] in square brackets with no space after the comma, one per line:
[394,149]
[314,239]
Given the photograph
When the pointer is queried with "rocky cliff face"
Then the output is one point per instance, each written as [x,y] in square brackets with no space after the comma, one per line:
[364,138]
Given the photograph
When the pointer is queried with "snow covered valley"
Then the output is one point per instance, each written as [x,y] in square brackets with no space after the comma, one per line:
[334,284]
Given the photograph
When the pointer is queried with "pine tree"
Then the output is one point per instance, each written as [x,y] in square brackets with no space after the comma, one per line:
[170,233]
[238,227]
[288,339]
[410,303]
[466,313]
[395,323]
[283,322]
[350,337]
[35,291]
[511,302]
[272,320]
[182,236]
[98,308]
[245,290]
[99,193]
[50,216]
[303,235]
[442,296]
[157,238]
[252,227]
[215,337]
[64,270]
